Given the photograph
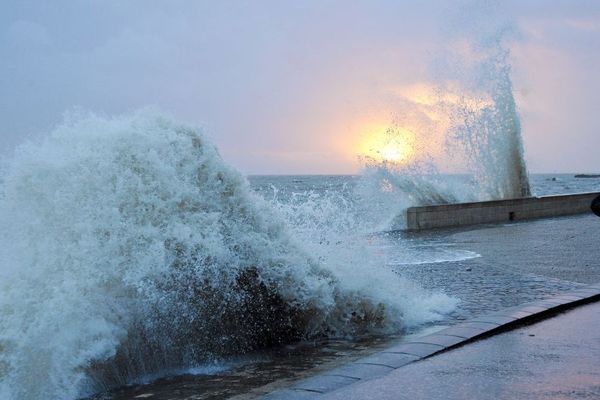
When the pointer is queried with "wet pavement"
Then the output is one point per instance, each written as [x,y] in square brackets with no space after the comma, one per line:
[565,248]
[535,263]
[519,262]
[269,370]
[558,358]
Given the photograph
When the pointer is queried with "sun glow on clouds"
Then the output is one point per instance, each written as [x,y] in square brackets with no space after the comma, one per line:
[387,143]
[433,98]
[403,134]
[413,129]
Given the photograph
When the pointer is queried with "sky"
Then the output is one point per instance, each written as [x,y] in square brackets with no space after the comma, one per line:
[298,87]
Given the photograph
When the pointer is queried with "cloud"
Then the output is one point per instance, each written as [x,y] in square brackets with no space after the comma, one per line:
[278,85]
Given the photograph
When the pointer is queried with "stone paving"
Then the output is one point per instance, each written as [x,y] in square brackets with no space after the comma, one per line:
[563,250]
[558,358]
[383,363]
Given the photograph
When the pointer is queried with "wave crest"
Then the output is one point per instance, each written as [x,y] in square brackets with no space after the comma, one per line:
[132,249]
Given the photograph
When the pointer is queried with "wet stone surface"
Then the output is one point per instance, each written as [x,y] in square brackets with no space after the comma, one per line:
[443,341]
[553,359]
[392,360]
[519,263]
[255,375]
[360,370]
[415,349]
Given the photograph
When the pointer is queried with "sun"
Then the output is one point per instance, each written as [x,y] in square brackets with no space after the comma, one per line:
[392,152]
[387,143]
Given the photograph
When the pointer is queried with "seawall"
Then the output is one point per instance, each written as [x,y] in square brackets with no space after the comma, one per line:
[461,214]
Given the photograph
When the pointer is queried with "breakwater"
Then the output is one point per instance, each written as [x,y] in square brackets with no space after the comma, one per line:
[461,214]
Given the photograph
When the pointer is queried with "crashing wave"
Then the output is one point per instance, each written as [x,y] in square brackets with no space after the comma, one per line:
[129,248]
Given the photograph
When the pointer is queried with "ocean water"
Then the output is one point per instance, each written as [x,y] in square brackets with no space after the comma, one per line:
[427,259]
[136,263]
[131,253]
[550,184]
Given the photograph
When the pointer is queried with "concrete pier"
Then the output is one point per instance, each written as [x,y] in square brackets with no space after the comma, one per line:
[461,214]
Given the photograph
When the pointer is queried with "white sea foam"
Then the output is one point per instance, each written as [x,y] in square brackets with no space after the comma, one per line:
[129,248]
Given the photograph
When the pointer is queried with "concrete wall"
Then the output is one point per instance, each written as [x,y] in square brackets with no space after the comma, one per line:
[448,215]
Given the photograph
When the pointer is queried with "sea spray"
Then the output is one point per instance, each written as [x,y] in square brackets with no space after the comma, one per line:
[489,130]
[484,121]
[129,248]
[396,187]
[463,119]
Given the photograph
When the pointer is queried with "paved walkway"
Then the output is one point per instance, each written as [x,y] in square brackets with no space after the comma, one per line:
[561,358]
[558,358]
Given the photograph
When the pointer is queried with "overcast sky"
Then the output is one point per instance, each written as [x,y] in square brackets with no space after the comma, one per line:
[287,86]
